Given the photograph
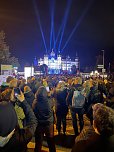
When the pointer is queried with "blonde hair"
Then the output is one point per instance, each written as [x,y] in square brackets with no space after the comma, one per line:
[27,89]
[13,83]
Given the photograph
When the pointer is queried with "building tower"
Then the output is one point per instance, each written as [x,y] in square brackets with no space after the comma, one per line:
[77,61]
[59,60]
[35,62]
[46,59]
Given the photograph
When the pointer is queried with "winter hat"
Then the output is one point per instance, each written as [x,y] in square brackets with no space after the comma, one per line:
[8,118]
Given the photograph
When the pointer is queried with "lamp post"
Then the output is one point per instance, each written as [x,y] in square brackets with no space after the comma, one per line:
[103,65]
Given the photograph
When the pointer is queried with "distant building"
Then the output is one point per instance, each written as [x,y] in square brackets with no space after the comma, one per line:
[56,64]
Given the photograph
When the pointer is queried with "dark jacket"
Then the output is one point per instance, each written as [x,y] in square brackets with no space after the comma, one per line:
[95,143]
[29,97]
[43,109]
[94,96]
[61,105]
[69,96]
[21,137]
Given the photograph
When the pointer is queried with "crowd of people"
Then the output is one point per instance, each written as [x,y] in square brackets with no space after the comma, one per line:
[30,108]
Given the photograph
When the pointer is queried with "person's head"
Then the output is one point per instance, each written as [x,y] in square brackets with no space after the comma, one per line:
[78,87]
[13,83]
[27,89]
[103,119]
[95,83]
[41,92]
[60,85]
[9,78]
[6,94]
[8,118]
[23,81]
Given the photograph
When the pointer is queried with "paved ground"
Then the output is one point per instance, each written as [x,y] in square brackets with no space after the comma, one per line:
[63,143]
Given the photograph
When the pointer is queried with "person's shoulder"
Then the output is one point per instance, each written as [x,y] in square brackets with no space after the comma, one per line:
[89,144]
[86,133]
[80,146]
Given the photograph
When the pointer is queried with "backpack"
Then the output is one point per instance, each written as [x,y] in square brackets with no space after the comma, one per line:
[78,99]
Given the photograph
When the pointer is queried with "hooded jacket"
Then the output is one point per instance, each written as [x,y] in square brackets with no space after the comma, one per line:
[43,108]
[29,96]
[12,138]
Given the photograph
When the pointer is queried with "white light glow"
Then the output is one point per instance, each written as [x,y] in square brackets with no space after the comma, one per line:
[28,72]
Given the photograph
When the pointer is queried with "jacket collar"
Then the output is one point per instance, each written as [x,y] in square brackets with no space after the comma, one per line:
[5,140]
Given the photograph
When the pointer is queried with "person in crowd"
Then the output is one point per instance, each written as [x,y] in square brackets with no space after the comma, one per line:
[31,83]
[13,83]
[102,139]
[38,83]
[29,95]
[61,108]
[19,111]
[76,101]
[5,85]
[110,97]
[95,96]
[12,138]
[22,84]
[44,113]
[5,95]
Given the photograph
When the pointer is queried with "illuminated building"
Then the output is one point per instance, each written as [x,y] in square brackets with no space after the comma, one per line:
[56,64]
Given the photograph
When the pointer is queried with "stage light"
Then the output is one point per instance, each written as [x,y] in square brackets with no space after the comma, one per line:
[28,72]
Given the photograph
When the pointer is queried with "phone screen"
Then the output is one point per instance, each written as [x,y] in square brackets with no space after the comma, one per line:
[17,91]
[47,88]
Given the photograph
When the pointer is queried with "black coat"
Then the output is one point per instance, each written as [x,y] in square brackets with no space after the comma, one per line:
[94,144]
[29,97]
[21,137]
[43,111]
[61,104]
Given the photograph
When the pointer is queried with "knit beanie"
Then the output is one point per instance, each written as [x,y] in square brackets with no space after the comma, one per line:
[8,118]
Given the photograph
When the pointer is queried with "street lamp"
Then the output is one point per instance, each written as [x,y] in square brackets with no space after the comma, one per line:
[103,70]
[103,59]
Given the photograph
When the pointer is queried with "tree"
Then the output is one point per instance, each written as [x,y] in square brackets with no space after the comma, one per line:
[5,55]
[14,61]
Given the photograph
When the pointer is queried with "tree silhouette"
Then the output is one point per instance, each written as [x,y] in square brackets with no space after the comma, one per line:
[5,55]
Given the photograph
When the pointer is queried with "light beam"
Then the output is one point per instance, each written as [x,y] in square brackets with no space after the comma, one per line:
[39,22]
[52,34]
[78,23]
[65,21]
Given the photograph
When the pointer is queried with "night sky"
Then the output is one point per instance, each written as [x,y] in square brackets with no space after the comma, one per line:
[88,28]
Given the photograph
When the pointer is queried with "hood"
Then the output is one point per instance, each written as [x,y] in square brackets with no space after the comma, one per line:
[8,118]
[28,94]
[5,140]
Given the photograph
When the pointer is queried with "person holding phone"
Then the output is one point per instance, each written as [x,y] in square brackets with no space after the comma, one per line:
[12,137]
[19,111]
[44,114]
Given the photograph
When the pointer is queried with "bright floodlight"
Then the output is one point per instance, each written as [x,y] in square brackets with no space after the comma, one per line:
[28,72]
